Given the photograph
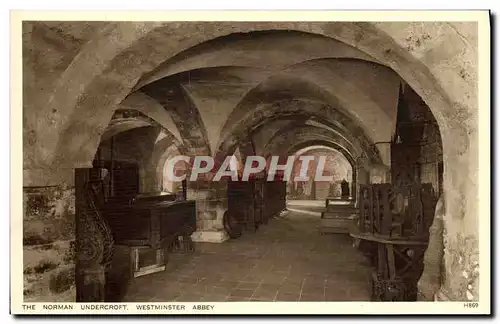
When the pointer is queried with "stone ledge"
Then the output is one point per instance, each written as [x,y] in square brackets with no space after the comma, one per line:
[210,236]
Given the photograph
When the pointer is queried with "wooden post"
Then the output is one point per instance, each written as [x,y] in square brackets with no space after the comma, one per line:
[94,242]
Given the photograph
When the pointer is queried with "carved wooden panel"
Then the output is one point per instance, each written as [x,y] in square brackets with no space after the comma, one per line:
[94,241]
[395,221]
[405,210]
[404,163]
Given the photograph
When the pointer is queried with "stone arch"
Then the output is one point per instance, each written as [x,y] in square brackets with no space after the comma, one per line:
[160,167]
[281,144]
[75,88]
[123,125]
[292,139]
[297,109]
[163,149]
[186,116]
[150,107]
[247,148]
[322,143]
[140,112]
[357,96]
[218,52]
[307,146]
[329,130]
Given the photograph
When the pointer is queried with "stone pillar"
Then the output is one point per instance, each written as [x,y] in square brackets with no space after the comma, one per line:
[380,173]
[460,278]
[49,236]
[384,149]
[354,184]
[362,176]
[211,204]
[430,281]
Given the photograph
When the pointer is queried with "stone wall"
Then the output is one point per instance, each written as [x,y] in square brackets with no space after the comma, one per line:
[431,156]
[211,204]
[48,244]
[460,278]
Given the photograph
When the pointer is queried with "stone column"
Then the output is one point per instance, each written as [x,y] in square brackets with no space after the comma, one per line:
[362,176]
[430,281]
[380,173]
[384,149]
[211,204]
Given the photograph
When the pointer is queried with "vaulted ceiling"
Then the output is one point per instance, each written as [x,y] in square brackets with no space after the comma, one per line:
[220,94]
[217,94]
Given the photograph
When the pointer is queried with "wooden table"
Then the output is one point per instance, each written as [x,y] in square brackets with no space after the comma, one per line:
[396,268]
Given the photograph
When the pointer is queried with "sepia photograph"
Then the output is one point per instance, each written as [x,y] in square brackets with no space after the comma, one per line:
[180,163]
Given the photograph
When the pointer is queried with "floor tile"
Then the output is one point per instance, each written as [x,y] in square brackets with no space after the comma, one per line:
[287,296]
[241,293]
[312,297]
[286,259]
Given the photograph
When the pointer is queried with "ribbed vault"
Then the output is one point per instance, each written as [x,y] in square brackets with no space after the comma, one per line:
[134,42]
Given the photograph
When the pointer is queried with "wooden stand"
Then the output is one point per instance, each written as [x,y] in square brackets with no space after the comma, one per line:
[393,226]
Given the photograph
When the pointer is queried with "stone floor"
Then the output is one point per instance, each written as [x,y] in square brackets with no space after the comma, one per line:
[286,260]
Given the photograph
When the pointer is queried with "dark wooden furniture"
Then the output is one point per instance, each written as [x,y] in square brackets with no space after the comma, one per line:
[147,227]
[241,204]
[145,232]
[274,198]
[394,218]
[252,203]
[94,246]
[393,226]
[143,228]
[153,221]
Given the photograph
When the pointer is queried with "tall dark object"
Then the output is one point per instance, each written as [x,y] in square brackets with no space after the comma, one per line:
[94,240]
[241,203]
[344,188]
[394,226]
[406,144]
